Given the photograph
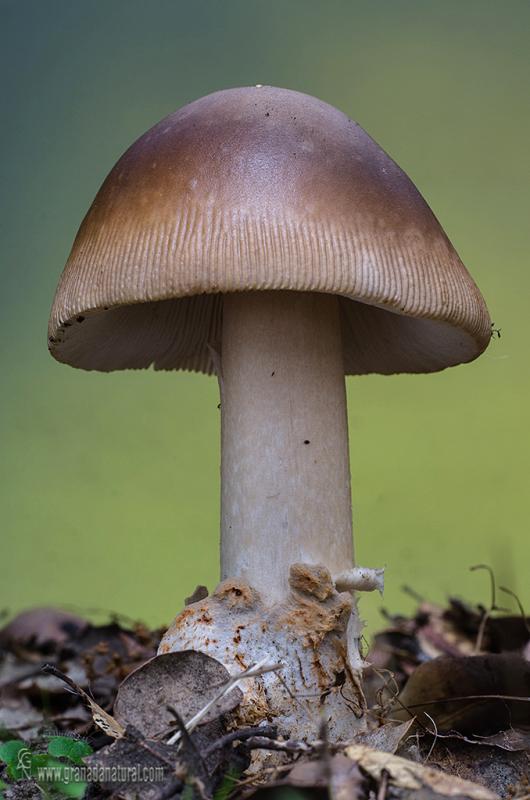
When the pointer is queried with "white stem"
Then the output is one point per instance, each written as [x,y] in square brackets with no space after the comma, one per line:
[285,479]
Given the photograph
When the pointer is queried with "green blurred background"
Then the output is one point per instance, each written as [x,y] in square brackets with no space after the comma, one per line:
[109,483]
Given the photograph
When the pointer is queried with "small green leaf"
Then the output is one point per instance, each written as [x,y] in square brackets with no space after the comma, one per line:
[52,774]
[227,785]
[75,789]
[43,760]
[72,749]
[17,755]
[28,764]
[9,751]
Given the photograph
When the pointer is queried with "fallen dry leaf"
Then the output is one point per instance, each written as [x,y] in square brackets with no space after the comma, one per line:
[474,695]
[338,774]
[185,681]
[105,722]
[42,628]
[123,764]
[410,775]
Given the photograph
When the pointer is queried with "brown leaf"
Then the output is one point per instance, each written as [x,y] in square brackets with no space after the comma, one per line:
[469,694]
[339,774]
[409,775]
[41,628]
[185,681]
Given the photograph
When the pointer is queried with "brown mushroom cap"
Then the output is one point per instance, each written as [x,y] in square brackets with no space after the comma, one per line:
[251,189]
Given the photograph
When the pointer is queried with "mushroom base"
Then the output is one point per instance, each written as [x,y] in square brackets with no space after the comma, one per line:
[305,634]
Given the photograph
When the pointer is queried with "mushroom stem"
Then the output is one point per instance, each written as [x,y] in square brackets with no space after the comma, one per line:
[285,478]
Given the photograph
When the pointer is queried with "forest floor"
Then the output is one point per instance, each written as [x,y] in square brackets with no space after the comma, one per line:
[448,693]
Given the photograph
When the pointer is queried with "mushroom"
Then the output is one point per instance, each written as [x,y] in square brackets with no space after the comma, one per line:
[260,234]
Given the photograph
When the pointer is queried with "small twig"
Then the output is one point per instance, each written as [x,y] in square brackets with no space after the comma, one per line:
[196,759]
[487,612]
[435,735]
[514,698]
[462,738]
[51,669]
[383,786]
[186,738]
[481,630]
[526,622]
[490,572]
[394,692]
[239,736]
[402,705]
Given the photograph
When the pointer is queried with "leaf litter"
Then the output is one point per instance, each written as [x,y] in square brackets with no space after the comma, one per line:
[449,711]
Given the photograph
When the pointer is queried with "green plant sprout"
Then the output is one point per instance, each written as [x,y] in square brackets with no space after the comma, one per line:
[49,770]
